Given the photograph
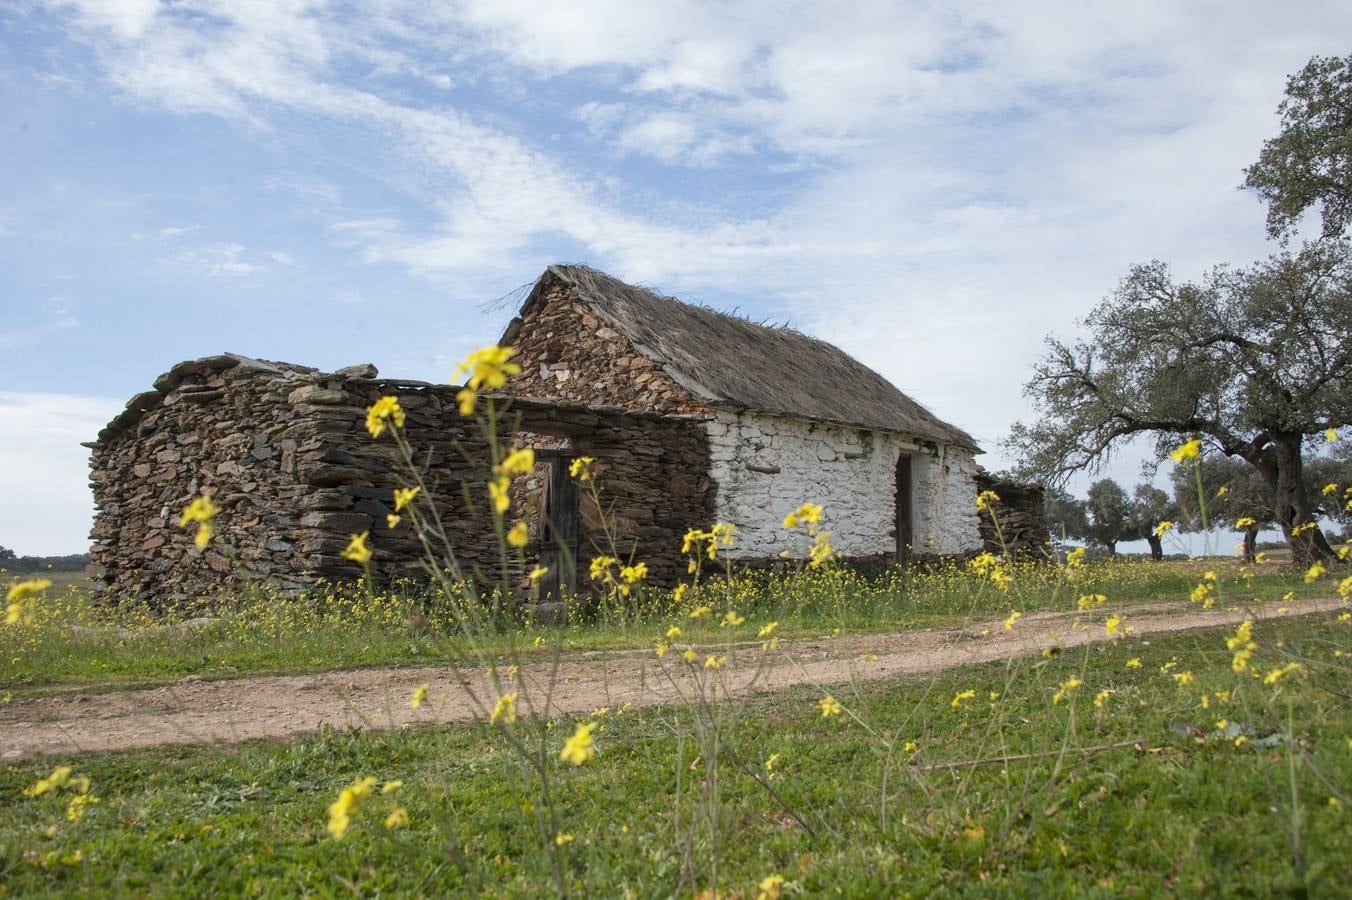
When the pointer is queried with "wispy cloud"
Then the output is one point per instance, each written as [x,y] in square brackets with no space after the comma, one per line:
[220,260]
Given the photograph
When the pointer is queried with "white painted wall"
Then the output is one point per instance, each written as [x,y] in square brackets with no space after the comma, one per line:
[851,472]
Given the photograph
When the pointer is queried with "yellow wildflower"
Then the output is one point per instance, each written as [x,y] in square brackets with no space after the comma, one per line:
[600,567]
[1089,601]
[384,411]
[1163,528]
[504,710]
[769,886]
[581,468]
[767,630]
[700,612]
[1245,522]
[403,497]
[397,818]
[537,573]
[202,511]
[829,706]
[341,810]
[986,499]
[1313,573]
[1329,489]
[391,786]
[75,809]
[1190,450]
[678,594]
[732,619]
[660,649]
[715,662]
[1331,435]
[1304,527]
[1241,645]
[580,747]
[488,367]
[821,549]
[499,494]
[1112,624]
[910,747]
[356,550]
[1075,557]
[1134,662]
[1101,698]
[1275,675]
[690,655]
[519,462]
[60,775]
[25,589]
[1013,617]
[419,695]
[563,838]
[518,535]
[960,697]
[392,521]
[1065,688]
[771,761]
[634,574]
[1183,678]
[673,632]
[465,400]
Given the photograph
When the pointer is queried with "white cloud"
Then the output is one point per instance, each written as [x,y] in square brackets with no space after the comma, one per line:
[43,490]
[220,260]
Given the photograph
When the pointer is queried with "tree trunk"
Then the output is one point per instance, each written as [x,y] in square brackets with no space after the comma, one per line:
[1156,546]
[1293,505]
[1251,544]
[1112,547]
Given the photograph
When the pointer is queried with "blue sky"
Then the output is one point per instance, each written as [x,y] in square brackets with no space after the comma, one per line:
[934,187]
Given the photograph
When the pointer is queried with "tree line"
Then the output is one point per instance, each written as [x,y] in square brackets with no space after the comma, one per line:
[1255,361]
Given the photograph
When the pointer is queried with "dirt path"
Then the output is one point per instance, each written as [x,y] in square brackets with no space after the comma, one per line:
[202,712]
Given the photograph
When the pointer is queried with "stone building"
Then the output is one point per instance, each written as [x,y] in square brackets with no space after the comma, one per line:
[789,418]
[692,416]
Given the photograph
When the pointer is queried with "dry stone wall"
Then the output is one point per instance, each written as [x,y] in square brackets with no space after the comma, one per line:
[1023,526]
[284,452]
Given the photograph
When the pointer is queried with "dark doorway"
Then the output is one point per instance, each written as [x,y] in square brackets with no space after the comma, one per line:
[905,529]
[558,527]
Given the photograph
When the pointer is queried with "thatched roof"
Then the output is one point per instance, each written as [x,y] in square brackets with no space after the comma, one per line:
[726,360]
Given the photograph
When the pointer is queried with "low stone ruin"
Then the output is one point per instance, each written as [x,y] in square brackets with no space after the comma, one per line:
[283,450]
[1023,529]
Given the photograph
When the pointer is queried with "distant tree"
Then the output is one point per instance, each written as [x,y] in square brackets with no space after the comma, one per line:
[1256,362]
[1066,516]
[1109,514]
[1309,162]
[1150,507]
[1336,470]
[7,555]
[1233,496]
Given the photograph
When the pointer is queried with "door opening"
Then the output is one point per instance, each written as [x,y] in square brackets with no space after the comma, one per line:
[905,528]
[559,514]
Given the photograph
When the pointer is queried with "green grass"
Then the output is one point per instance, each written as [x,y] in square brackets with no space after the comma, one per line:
[1186,813]
[71,643]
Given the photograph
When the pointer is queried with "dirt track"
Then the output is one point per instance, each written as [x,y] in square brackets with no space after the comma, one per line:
[201,712]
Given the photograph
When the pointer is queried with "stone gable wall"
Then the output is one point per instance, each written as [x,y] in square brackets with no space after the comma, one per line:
[285,453]
[569,354]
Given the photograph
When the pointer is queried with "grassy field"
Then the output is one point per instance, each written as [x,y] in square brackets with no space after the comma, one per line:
[1214,782]
[71,642]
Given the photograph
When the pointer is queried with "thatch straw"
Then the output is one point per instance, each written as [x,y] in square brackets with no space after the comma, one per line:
[725,360]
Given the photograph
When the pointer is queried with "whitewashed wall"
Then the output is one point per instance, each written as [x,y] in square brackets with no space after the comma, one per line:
[851,472]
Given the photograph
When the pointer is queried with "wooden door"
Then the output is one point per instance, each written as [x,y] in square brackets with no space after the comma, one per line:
[559,530]
[905,520]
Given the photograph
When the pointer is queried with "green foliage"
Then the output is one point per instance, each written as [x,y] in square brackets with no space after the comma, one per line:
[1309,162]
[1174,808]
[1109,514]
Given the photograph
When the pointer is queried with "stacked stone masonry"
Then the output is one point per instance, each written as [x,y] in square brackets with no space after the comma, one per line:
[1023,528]
[285,453]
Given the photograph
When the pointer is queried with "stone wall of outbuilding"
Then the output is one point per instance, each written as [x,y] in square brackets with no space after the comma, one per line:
[284,452]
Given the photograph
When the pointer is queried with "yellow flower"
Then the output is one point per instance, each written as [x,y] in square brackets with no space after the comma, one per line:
[600,567]
[499,494]
[690,655]
[341,810]
[1331,435]
[581,468]
[60,775]
[1065,688]
[673,632]
[1330,489]
[660,649]
[1313,573]
[1101,698]
[488,367]
[504,710]
[767,630]
[910,747]
[518,462]
[397,818]
[732,619]
[828,706]
[419,695]
[1163,528]
[1275,675]
[465,400]
[771,761]
[580,747]
[678,594]
[1134,662]
[715,662]
[75,809]
[821,549]
[383,411]
[1345,587]
[404,497]
[634,574]
[960,697]
[537,573]
[1191,450]
[769,886]
[1245,522]
[356,550]
[392,521]
[1013,617]
[1112,624]
[1075,557]
[518,535]
[391,786]
[790,521]
[25,589]
[700,612]
[986,499]
[563,838]
[1241,645]
[1304,527]
[1222,491]
[1183,678]
[693,538]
